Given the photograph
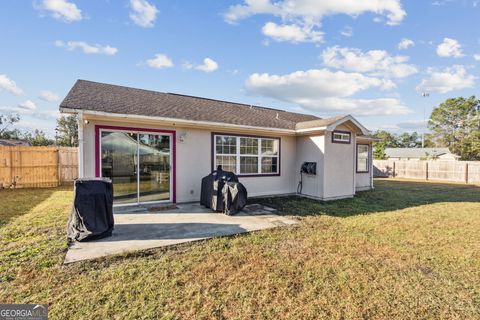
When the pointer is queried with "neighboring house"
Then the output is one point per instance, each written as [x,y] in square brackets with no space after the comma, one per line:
[157,146]
[420,154]
[14,143]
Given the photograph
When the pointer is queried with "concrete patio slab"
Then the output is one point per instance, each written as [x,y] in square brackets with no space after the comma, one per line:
[144,228]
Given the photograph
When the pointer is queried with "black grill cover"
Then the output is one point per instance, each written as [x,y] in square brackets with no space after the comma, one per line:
[234,197]
[212,194]
[92,212]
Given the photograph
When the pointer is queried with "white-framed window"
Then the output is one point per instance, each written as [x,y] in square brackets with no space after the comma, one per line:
[341,137]
[245,155]
[363,158]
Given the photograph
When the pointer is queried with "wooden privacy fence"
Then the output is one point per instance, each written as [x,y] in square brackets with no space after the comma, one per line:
[37,167]
[454,171]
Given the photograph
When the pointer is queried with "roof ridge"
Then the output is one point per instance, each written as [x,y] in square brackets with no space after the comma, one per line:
[328,118]
[239,103]
[197,97]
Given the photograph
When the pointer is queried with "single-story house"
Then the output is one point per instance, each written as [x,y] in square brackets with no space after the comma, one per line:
[442,154]
[157,146]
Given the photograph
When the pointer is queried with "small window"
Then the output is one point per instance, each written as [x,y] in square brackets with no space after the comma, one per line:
[363,158]
[341,137]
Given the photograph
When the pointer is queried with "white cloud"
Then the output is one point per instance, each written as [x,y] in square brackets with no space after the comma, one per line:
[450,48]
[325,91]
[29,108]
[347,31]
[361,107]
[476,57]
[86,48]
[62,10]
[49,96]
[143,13]
[27,105]
[315,10]
[405,44]
[375,62]
[307,15]
[160,61]
[446,80]
[9,85]
[208,65]
[291,33]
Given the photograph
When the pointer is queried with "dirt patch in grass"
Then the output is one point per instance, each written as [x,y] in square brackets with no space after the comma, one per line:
[404,250]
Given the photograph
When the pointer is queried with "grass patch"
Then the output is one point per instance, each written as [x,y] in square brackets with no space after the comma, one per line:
[404,250]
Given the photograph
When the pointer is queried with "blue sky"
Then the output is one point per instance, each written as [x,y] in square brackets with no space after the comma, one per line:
[324,57]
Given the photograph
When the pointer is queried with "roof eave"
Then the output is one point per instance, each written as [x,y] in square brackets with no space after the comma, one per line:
[177,121]
[194,123]
[332,126]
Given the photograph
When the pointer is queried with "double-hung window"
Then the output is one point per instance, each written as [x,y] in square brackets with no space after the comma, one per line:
[247,155]
[226,152]
[363,158]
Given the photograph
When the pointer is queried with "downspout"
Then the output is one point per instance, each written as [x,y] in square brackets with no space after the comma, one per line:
[80,145]
[354,134]
[371,164]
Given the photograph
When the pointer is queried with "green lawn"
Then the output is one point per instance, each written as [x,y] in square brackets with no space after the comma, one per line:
[404,250]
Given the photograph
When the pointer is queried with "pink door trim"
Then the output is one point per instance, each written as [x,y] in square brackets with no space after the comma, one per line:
[174,150]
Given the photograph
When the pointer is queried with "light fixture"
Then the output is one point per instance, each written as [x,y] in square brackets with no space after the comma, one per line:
[181,137]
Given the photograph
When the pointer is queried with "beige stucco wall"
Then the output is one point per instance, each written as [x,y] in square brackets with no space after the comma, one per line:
[193,161]
[336,173]
[362,181]
[336,166]
[310,149]
[339,168]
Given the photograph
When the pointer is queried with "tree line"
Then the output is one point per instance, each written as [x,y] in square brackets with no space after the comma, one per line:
[66,131]
[454,124]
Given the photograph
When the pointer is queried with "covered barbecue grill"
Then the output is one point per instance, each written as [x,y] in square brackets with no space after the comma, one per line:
[92,212]
[222,192]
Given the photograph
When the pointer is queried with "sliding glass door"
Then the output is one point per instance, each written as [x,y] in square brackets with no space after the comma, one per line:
[154,178]
[120,163]
[139,165]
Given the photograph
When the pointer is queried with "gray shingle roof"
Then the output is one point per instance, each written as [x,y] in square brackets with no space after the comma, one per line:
[415,152]
[14,143]
[94,96]
[317,123]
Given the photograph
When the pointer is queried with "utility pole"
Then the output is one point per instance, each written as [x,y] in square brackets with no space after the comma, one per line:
[425,95]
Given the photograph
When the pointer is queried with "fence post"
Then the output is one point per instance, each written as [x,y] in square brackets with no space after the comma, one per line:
[11,167]
[426,170]
[59,166]
[466,172]
[393,171]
